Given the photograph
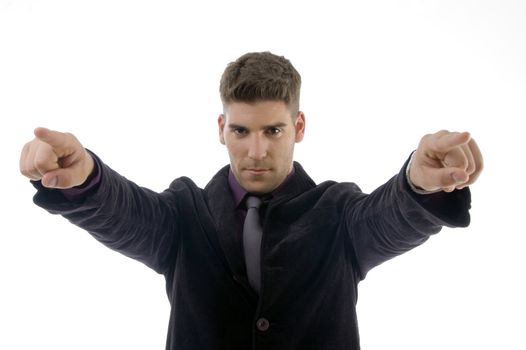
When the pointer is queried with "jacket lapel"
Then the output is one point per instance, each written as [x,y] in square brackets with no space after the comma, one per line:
[223,212]
[295,185]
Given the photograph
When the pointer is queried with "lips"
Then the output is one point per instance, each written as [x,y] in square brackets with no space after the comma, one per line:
[258,171]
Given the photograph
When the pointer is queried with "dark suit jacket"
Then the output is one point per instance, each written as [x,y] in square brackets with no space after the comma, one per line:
[318,242]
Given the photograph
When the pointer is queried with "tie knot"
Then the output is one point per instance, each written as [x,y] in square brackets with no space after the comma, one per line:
[253,202]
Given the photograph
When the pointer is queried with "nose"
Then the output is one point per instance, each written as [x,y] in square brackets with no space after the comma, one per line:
[257,149]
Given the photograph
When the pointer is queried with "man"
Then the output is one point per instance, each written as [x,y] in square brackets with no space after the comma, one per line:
[288,278]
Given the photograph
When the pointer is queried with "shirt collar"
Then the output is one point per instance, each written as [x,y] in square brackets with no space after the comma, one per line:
[239,192]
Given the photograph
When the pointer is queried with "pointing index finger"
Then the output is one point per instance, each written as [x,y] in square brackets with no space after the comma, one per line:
[53,138]
[446,140]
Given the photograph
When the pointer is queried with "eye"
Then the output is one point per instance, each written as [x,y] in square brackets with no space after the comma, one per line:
[274,131]
[239,131]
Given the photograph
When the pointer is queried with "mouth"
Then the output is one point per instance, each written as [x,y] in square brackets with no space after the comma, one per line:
[257,171]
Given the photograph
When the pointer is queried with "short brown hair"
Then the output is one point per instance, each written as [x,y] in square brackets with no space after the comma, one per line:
[261,76]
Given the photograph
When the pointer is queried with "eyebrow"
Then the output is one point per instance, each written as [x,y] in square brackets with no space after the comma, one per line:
[277,125]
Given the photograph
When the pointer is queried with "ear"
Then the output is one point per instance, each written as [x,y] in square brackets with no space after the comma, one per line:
[221,120]
[299,126]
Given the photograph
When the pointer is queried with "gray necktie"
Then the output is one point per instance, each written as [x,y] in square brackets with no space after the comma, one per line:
[252,242]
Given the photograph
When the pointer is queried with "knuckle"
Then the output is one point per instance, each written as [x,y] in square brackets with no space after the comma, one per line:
[26,147]
[33,175]
[470,169]
[427,136]
[425,140]
[25,172]
[71,137]
[40,163]
[439,135]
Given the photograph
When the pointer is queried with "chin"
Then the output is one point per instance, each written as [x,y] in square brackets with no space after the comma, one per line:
[258,188]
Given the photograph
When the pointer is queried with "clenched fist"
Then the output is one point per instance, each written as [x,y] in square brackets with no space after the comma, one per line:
[57,159]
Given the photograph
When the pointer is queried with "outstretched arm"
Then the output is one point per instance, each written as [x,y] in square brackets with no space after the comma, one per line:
[127,218]
[394,219]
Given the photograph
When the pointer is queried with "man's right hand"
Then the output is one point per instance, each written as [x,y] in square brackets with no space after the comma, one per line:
[57,159]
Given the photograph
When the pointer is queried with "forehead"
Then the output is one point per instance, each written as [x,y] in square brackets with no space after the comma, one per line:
[263,112]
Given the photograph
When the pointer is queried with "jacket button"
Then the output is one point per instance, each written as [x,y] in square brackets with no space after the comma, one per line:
[262,324]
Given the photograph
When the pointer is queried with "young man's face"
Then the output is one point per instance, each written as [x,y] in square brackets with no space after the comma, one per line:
[260,139]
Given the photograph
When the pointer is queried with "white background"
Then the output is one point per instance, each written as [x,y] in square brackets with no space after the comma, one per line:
[137,82]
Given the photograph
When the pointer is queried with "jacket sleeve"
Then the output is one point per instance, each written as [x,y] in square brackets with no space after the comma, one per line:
[394,219]
[125,217]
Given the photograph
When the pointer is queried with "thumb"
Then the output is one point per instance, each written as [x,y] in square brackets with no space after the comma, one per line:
[448,178]
[60,179]
[72,175]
